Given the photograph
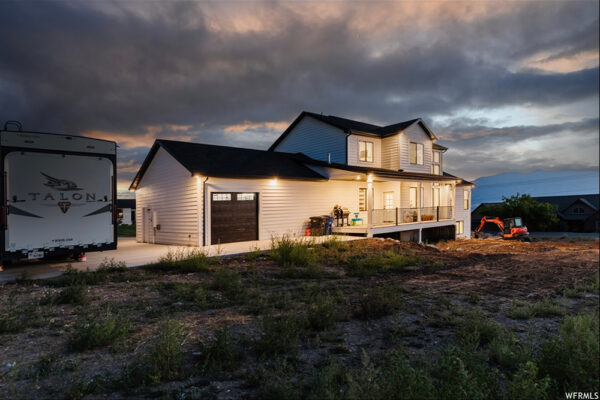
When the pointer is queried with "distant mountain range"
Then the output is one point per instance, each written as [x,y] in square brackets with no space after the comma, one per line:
[537,183]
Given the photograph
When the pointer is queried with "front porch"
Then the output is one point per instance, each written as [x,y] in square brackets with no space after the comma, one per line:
[396,206]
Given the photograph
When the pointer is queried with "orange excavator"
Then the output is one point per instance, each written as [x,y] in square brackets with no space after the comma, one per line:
[507,228]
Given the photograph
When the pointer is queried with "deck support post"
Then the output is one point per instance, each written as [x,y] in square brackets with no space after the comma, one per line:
[420,235]
[370,202]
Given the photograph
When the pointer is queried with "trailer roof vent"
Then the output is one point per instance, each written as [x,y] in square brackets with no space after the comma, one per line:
[16,124]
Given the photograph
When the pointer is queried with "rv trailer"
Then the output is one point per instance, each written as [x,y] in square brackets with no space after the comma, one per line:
[58,194]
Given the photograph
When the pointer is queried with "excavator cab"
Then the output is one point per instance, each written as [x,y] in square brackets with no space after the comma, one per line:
[514,229]
[508,228]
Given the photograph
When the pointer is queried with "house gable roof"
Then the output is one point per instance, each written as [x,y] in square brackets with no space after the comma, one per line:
[355,127]
[229,162]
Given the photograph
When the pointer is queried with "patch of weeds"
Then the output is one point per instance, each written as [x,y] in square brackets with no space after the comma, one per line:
[472,298]
[313,271]
[15,318]
[571,358]
[229,281]
[390,261]
[276,382]
[327,382]
[363,383]
[75,294]
[182,260]
[280,335]
[400,380]
[110,265]
[527,385]
[184,292]
[288,252]
[543,309]
[508,352]
[476,326]
[378,302]
[221,354]
[95,333]
[321,313]
[164,361]
[253,254]
[46,364]
[580,289]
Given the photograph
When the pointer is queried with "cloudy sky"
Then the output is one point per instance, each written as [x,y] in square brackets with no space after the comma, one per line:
[508,86]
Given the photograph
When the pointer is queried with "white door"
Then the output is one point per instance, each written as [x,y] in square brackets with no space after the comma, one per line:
[148,230]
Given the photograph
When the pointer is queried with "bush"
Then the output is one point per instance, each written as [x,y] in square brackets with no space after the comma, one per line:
[291,253]
[183,260]
[221,354]
[378,302]
[476,327]
[543,309]
[184,291]
[507,352]
[75,294]
[321,313]
[327,383]
[571,358]
[97,333]
[276,382]
[280,335]
[229,281]
[400,380]
[526,385]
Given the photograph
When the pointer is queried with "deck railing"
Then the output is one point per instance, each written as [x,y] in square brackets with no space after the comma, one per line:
[400,216]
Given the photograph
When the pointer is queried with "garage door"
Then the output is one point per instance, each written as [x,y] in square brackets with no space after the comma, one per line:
[234,217]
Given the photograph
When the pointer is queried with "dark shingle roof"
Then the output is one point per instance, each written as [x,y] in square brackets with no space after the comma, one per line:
[355,127]
[562,202]
[463,182]
[439,147]
[229,162]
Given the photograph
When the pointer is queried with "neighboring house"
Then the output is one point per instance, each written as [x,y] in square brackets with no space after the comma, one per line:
[576,213]
[125,211]
[390,179]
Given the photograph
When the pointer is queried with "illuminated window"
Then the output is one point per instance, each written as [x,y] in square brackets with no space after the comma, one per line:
[388,200]
[416,153]
[245,196]
[466,199]
[365,151]
[221,196]
[435,194]
[362,199]
[460,227]
[436,163]
[413,197]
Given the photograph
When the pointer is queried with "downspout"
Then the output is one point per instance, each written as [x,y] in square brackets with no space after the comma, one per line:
[204,212]
[347,136]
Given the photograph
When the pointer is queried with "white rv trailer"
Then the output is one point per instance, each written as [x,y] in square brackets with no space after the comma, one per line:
[58,194]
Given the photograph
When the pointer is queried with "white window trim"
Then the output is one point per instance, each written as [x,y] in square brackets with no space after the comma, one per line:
[385,200]
[466,199]
[366,206]
[367,153]
[411,190]
[460,227]
[417,147]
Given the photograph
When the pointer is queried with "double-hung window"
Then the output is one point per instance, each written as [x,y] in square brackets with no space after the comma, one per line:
[388,200]
[412,200]
[436,163]
[365,151]
[362,199]
[460,227]
[416,153]
[466,199]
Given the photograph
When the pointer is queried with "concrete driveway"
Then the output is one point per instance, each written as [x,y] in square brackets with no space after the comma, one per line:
[133,254]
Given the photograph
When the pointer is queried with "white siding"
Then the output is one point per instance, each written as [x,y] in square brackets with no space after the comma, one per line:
[168,189]
[390,152]
[460,214]
[286,205]
[315,139]
[353,151]
[415,134]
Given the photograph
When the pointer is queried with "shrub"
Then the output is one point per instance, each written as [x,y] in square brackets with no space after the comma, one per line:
[111,265]
[276,382]
[526,385]
[75,294]
[507,352]
[95,333]
[400,380]
[571,358]
[544,308]
[166,354]
[291,253]
[378,302]
[327,383]
[184,291]
[183,260]
[321,313]
[253,254]
[229,281]
[280,335]
[475,326]
[221,354]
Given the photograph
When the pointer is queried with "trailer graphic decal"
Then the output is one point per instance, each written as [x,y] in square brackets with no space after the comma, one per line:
[106,208]
[64,206]
[17,211]
[60,184]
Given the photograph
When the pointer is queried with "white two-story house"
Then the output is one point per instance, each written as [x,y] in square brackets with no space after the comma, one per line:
[388,180]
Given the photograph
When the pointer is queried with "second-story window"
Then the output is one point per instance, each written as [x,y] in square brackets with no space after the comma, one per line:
[416,153]
[436,163]
[466,199]
[365,151]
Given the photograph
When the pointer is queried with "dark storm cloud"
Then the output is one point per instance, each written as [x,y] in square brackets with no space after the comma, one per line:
[136,68]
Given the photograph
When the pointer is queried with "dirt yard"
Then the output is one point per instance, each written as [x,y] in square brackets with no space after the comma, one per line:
[365,319]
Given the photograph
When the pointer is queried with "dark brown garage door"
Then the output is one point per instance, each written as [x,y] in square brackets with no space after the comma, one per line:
[234,217]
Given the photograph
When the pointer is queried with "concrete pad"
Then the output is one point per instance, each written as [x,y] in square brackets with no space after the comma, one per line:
[134,254]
